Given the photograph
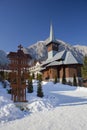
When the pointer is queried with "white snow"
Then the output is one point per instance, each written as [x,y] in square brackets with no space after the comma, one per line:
[81,49]
[63,107]
[8,110]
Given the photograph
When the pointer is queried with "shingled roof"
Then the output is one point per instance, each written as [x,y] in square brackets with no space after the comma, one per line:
[62,58]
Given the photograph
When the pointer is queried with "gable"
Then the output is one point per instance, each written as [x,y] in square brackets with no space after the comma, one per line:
[70,59]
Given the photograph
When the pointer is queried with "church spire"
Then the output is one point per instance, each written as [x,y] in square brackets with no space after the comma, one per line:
[51,33]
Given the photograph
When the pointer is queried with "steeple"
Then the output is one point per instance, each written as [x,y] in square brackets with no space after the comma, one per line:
[52,44]
[51,33]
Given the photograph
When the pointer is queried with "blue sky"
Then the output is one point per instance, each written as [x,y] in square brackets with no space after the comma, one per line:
[28,21]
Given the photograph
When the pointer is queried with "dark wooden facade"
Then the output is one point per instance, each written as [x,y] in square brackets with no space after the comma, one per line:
[18,75]
[57,71]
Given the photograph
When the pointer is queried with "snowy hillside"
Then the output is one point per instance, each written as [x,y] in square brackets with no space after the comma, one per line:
[82,49]
[39,51]
[62,108]
[3,58]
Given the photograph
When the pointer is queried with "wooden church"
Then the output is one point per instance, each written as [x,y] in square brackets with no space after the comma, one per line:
[59,63]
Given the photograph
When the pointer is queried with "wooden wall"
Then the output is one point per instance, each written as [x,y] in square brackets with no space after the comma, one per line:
[57,71]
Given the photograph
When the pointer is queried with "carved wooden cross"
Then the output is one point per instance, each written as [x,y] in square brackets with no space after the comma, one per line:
[20,47]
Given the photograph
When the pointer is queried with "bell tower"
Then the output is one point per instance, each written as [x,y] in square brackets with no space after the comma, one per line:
[52,45]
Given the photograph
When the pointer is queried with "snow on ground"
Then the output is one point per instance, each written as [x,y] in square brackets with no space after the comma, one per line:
[8,110]
[62,108]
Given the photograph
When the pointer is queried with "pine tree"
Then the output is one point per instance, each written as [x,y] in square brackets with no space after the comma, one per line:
[33,76]
[39,89]
[84,68]
[30,85]
[39,77]
[74,80]
[64,77]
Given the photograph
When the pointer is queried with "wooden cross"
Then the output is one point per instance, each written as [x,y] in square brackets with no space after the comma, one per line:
[20,47]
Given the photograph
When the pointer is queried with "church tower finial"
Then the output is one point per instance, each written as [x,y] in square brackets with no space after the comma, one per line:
[51,33]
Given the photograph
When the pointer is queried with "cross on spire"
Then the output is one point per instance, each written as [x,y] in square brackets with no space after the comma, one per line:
[20,47]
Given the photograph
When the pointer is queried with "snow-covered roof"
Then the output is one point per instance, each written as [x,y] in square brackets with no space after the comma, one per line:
[42,68]
[58,56]
[55,63]
[70,59]
[63,57]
